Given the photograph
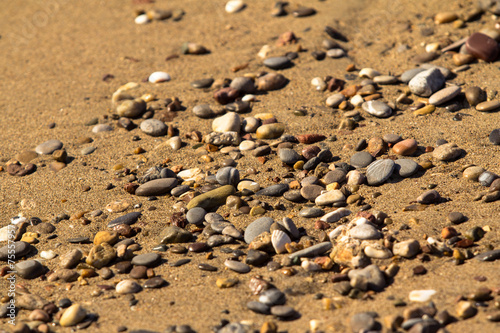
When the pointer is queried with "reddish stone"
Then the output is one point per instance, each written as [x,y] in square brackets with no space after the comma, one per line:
[464,243]
[310,138]
[310,152]
[448,233]
[130,188]
[482,47]
[226,95]
[321,225]
[335,84]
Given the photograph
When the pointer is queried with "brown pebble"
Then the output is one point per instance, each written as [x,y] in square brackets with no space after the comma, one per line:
[310,138]
[448,232]
[406,147]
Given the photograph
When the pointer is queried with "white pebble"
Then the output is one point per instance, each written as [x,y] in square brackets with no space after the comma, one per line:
[249,98]
[368,72]
[310,266]
[175,142]
[158,77]
[48,254]
[421,295]
[18,219]
[234,6]
[142,19]
[357,100]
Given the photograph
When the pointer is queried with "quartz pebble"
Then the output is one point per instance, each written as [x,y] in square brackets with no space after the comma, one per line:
[72,315]
[158,77]
[427,82]
[377,108]
[421,295]
[48,147]
[234,6]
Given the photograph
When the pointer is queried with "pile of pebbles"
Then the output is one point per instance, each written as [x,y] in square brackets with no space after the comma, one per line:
[354,242]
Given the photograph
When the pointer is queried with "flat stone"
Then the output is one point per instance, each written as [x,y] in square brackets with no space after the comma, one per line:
[274,190]
[26,156]
[311,192]
[335,176]
[20,250]
[482,47]
[283,311]
[70,259]
[374,276]
[237,266]
[489,255]
[146,259]
[256,258]
[336,215]
[72,315]
[99,128]
[155,283]
[444,95]
[487,178]
[429,197]
[270,131]
[173,234]
[154,127]
[128,287]
[312,251]
[330,198]
[288,156]
[196,215]
[230,122]
[48,147]
[259,307]
[202,83]
[362,322]
[377,108]
[447,152]
[88,150]
[203,111]
[364,231]
[293,196]
[379,171]
[427,82]
[29,269]
[271,81]
[311,212]
[277,62]
[272,297]
[405,167]
[213,198]
[488,106]
[406,147]
[128,219]
[361,159]
[257,227]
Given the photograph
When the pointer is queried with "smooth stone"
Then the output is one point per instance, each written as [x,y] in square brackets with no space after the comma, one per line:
[101,128]
[270,131]
[158,77]
[155,282]
[196,215]
[445,17]
[465,310]
[336,215]
[272,297]
[330,198]
[447,152]
[475,95]
[288,156]
[257,227]
[212,199]
[173,234]
[373,275]
[26,156]
[482,47]
[88,150]
[406,147]
[156,187]
[20,250]
[203,111]
[445,71]
[256,258]
[427,82]
[364,231]
[250,124]
[362,322]
[487,178]
[72,315]
[488,106]
[361,159]
[277,62]
[444,95]
[334,101]
[283,311]
[405,167]
[29,269]
[238,107]
[105,236]
[335,176]
[274,190]
[311,192]
[202,83]
[293,196]
[131,108]
[489,255]
[146,259]
[234,6]
[48,147]
[154,127]
[271,81]
[230,122]
[421,296]
[128,287]
[259,307]
[237,266]
[495,136]
[70,259]
[244,85]
[128,219]
[228,176]
[379,171]
[311,212]
[290,227]
[456,217]
[410,74]
[407,249]
[377,251]
[248,185]
[429,197]
[377,108]
[428,109]
[312,251]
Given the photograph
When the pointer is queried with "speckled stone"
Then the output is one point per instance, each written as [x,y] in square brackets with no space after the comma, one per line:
[427,82]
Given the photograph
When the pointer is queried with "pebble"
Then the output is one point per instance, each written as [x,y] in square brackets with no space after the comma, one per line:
[429,197]
[283,311]
[311,212]
[88,150]
[274,190]
[489,255]
[427,82]
[48,147]
[244,85]
[259,307]
[29,269]
[410,74]
[444,95]
[330,198]
[495,136]
[407,249]
[173,234]
[146,259]
[312,251]
[101,255]
[271,81]
[72,315]
[379,171]
[421,296]
[361,159]
[405,167]
[230,122]
[288,156]
[465,310]
[203,111]
[213,198]
[445,17]
[488,106]
[334,101]
[473,173]
[362,322]
[154,127]
[155,282]
[110,237]
[335,176]
[364,231]
[475,95]
[406,147]
[20,250]
[311,192]
[377,108]
[156,187]
[257,227]
[202,83]
[131,108]
[250,124]
[277,62]
[128,287]
[270,131]
[447,152]
[272,297]
[234,6]
[196,215]
[336,215]
[102,128]
[374,277]
[70,259]
[482,47]
[228,176]
[487,178]
[237,266]
[48,254]
[127,219]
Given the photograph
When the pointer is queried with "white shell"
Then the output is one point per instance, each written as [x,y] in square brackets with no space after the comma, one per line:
[158,77]
[335,215]
[368,72]
[234,6]
[142,19]
[175,143]
[421,295]
[279,239]
[48,254]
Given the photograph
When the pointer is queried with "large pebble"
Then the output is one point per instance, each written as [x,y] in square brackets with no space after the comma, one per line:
[488,106]
[330,198]
[230,122]
[410,74]
[495,136]
[310,212]
[475,95]
[361,159]
[270,131]
[288,156]
[156,187]
[444,95]
[271,81]
[407,249]
[334,101]
[48,147]
[20,250]
[335,215]
[173,234]
[128,287]
[377,108]
[154,127]
[228,176]
[196,215]
[406,147]
[131,108]
[213,198]
[429,197]
[257,227]
[482,47]
[29,269]
[244,85]
[373,275]
[379,171]
[101,255]
[421,295]
[203,111]
[277,62]
[72,315]
[427,82]
[237,266]
[447,152]
[364,231]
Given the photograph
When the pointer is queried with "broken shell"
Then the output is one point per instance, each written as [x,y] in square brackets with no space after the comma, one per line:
[279,239]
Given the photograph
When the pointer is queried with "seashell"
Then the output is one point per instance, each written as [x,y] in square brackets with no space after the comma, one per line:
[310,266]
[279,239]
[369,73]
[234,6]
[335,215]
[158,77]
[377,251]
[142,19]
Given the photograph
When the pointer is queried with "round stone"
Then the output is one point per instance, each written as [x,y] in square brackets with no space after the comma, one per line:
[243,84]
[335,176]
[405,167]
[196,215]
[407,249]
[146,259]
[20,250]
[362,322]
[272,297]
[48,147]
[203,111]
[132,108]
[447,152]
[427,82]
[258,307]
[29,269]
[237,266]
[334,101]
[379,171]
[128,287]
[361,159]
[247,145]
[406,147]
[495,136]
[154,127]
[270,131]
[72,315]
[288,156]
[311,192]
[257,227]
[377,108]
[250,124]
[456,217]
[444,95]
[391,138]
[410,74]
[364,231]
[311,212]
[277,62]
[228,176]
[475,95]
[487,178]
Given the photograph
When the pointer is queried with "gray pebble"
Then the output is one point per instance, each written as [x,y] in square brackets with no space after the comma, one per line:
[290,227]
[203,111]
[237,266]
[102,128]
[379,171]
[228,176]
[283,311]
[256,258]
[362,322]
[272,297]
[311,212]
[146,259]
[365,231]
[293,196]
[258,307]
[489,255]
[486,178]
[374,276]
[288,156]
[405,167]
[361,159]
[495,136]
[238,107]
[179,190]
[274,190]
[427,82]
[213,217]
[429,197]
[277,62]
[312,163]
[335,176]
[154,127]
[312,251]
[29,269]
[48,147]
[377,108]
[311,192]
[128,219]
[156,187]
[20,250]
[244,85]
[257,227]
[196,215]
[202,83]
[88,150]
[410,74]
